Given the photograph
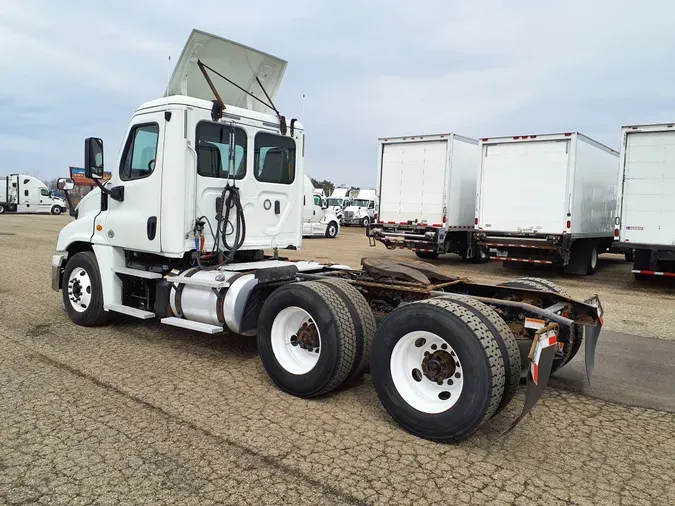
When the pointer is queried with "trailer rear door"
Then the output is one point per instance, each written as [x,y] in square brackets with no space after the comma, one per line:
[412,182]
[649,188]
[523,186]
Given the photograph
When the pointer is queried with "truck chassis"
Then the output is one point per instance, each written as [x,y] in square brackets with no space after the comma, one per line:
[447,354]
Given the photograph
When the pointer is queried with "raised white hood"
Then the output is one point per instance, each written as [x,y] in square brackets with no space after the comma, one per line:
[240,64]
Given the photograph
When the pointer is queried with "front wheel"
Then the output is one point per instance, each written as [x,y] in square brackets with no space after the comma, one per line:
[365,221]
[56,210]
[331,230]
[2,209]
[82,293]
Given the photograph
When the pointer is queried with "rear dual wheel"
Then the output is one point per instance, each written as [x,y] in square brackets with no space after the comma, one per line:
[575,335]
[315,336]
[444,366]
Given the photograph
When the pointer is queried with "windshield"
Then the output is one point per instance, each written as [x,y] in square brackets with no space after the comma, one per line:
[360,202]
[334,202]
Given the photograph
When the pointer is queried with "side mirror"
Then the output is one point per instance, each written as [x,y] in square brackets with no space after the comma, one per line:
[65,184]
[93,158]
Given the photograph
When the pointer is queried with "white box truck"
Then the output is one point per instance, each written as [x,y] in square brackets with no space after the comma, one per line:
[547,199]
[646,230]
[427,187]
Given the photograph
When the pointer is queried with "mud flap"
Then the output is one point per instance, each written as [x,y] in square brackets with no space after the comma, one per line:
[538,374]
[591,336]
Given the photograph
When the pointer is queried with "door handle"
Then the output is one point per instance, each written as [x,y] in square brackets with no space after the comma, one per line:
[277,207]
[152,227]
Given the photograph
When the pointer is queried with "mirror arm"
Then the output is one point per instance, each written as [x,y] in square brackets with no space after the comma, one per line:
[115,193]
[71,208]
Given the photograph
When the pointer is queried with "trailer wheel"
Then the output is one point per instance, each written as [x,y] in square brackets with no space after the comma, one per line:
[306,339]
[364,322]
[427,255]
[576,337]
[56,210]
[331,230]
[505,338]
[82,293]
[439,371]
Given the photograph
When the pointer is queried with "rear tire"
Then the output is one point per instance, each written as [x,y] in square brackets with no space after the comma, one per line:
[427,255]
[576,337]
[313,308]
[629,256]
[507,343]
[481,256]
[364,323]
[592,260]
[82,292]
[471,388]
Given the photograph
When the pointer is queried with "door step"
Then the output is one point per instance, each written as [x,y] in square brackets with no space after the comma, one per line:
[192,325]
[208,283]
[137,273]
[131,311]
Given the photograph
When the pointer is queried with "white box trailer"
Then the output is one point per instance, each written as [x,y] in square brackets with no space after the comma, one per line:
[647,210]
[427,188]
[548,199]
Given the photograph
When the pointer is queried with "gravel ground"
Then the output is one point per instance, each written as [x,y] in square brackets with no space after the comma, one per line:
[137,412]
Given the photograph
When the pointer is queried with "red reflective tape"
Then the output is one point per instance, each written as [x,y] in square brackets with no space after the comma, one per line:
[436,225]
[653,273]
[535,373]
[391,222]
[552,340]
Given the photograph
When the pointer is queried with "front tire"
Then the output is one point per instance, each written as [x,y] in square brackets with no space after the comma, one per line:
[306,339]
[82,292]
[2,209]
[365,221]
[56,210]
[332,230]
[439,370]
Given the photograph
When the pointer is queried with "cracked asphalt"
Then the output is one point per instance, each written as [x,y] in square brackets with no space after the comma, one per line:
[139,413]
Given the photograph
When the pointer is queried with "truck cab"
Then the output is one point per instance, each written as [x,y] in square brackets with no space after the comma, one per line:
[317,218]
[362,210]
[20,193]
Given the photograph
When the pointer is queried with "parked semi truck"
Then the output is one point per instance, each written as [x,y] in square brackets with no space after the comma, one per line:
[547,199]
[317,217]
[646,224]
[208,178]
[362,209]
[20,193]
[338,201]
[427,188]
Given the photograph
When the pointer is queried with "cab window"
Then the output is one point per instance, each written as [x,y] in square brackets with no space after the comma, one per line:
[317,200]
[274,158]
[140,152]
[221,151]
[44,193]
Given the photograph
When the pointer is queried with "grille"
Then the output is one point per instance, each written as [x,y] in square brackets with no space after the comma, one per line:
[349,215]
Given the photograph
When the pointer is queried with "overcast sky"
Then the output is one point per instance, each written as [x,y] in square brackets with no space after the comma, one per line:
[72,69]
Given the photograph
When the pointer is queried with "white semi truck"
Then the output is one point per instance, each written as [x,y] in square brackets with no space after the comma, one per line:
[427,188]
[317,217]
[547,199]
[362,209]
[210,176]
[338,201]
[646,225]
[20,193]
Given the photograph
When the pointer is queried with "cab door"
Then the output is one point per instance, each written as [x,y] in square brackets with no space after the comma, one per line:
[46,201]
[134,222]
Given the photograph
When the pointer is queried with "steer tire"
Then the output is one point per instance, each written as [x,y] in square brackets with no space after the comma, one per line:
[94,314]
[364,322]
[2,209]
[427,255]
[56,210]
[338,340]
[473,344]
[507,343]
[332,230]
[571,348]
